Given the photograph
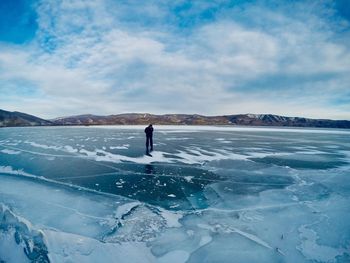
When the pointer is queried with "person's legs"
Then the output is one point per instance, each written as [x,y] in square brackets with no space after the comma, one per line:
[147,144]
[151,142]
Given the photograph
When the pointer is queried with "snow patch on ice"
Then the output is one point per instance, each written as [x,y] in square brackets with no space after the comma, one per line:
[43,146]
[121,147]
[10,170]
[196,155]
[188,178]
[9,151]
[223,140]
[70,149]
[177,138]
[100,155]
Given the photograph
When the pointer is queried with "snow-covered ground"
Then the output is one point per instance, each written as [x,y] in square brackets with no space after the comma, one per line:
[208,194]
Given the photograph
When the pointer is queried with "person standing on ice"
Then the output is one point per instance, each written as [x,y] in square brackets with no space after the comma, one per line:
[149,139]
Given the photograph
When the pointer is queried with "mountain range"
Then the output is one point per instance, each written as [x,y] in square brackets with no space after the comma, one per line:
[21,119]
[12,119]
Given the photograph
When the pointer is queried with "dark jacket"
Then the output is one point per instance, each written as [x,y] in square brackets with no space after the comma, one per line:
[149,131]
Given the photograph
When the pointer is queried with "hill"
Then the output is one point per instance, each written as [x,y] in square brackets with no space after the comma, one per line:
[11,119]
[195,119]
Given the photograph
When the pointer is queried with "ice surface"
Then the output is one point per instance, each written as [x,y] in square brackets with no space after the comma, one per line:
[208,194]
[77,226]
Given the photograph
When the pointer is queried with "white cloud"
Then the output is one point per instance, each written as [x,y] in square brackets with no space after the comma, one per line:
[89,56]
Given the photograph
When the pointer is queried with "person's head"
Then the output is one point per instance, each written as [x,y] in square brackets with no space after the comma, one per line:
[150,125]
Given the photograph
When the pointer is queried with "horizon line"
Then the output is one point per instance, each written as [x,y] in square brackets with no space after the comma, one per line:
[162,114]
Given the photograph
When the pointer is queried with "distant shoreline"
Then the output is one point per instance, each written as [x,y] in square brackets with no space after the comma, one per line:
[174,125]
[16,119]
[213,128]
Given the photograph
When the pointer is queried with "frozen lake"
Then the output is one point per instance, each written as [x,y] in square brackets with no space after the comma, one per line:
[208,194]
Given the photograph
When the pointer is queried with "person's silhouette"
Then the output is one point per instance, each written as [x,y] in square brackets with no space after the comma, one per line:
[149,139]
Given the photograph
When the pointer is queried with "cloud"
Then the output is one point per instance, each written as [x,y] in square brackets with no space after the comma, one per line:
[212,57]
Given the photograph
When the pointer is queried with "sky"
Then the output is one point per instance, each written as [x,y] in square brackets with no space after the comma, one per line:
[215,57]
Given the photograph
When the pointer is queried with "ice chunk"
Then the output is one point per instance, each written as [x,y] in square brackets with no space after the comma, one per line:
[31,241]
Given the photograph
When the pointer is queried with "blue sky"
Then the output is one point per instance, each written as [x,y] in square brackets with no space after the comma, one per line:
[67,57]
